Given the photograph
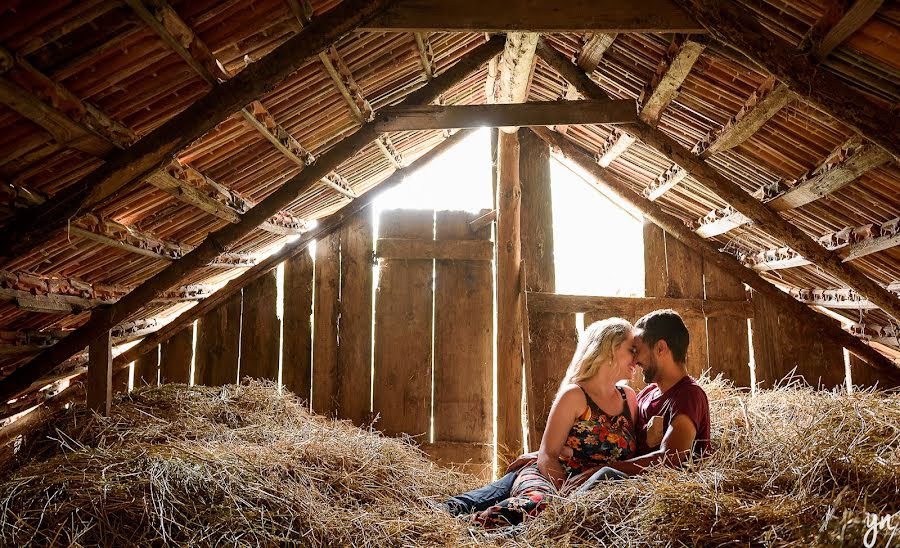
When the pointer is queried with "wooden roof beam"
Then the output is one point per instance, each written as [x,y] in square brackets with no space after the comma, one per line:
[719,221]
[888,335]
[521,15]
[538,113]
[615,146]
[516,65]
[219,241]
[729,264]
[592,52]
[842,299]
[664,182]
[844,165]
[704,174]
[426,54]
[762,105]
[730,24]
[838,24]
[854,242]
[671,72]
[158,147]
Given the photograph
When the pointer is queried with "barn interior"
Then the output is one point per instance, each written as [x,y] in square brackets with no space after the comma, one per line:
[190,198]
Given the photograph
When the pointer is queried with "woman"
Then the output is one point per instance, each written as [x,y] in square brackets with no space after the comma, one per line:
[590,423]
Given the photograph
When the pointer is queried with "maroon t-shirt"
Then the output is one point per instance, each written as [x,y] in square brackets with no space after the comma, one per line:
[685,398]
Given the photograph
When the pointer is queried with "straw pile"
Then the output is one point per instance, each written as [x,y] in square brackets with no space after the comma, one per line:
[245,465]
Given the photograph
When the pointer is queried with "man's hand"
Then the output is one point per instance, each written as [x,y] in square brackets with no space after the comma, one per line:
[527,458]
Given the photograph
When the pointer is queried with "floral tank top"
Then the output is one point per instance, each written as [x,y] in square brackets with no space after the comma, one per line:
[597,438]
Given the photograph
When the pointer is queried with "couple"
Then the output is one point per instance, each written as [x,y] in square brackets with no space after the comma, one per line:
[599,430]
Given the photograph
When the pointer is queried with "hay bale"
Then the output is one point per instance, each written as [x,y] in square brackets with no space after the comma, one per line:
[246,465]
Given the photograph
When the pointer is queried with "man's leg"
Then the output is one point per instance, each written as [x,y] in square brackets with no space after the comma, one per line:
[483,497]
[604,474]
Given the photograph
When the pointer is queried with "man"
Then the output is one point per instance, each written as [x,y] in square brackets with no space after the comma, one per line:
[672,420]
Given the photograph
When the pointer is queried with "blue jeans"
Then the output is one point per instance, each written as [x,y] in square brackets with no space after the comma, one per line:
[603,474]
[483,497]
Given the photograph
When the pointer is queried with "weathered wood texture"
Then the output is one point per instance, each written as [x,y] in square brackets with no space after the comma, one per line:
[518,15]
[547,334]
[864,376]
[296,363]
[260,331]
[538,113]
[99,381]
[634,307]
[325,322]
[218,344]
[146,369]
[175,357]
[120,379]
[474,458]
[403,324]
[782,343]
[509,295]
[463,339]
[407,248]
[729,347]
[354,354]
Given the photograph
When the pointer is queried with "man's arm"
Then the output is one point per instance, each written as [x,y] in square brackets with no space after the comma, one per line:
[676,447]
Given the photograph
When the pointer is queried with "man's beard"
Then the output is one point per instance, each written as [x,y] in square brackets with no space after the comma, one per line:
[650,370]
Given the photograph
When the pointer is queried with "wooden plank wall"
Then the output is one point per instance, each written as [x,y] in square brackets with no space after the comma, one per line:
[403,323]
[296,363]
[781,344]
[146,369]
[864,376]
[325,320]
[218,344]
[260,334]
[175,357]
[354,351]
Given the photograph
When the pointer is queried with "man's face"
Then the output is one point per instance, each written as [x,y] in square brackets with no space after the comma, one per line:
[644,357]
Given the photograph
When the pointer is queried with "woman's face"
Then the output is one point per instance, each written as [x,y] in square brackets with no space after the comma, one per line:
[623,359]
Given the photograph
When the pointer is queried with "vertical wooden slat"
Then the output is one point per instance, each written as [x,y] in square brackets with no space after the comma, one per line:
[729,348]
[654,260]
[120,379]
[865,376]
[218,344]
[553,341]
[146,369]
[260,330]
[175,357]
[99,381]
[684,279]
[296,374]
[403,322]
[509,305]
[354,356]
[325,324]
[463,336]
[766,349]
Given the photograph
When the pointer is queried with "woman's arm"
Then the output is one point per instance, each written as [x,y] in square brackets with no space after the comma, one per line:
[563,414]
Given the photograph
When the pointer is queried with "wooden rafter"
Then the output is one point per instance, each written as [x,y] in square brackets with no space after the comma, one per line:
[352,93]
[521,15]
[516,65]
[618,142]
[426,54]
[538,113]
[888,335]
[157,148]
[218,241]
[664,182]
[671,72]
[706,175]
[177,34]
[854,242]
[326,227]
[592,52]
[841,298]
[734,26]
[843,166]
[674,226]
[831,34]
[762,105]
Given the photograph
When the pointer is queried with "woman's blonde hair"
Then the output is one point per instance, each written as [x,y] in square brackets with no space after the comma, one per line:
[595,349]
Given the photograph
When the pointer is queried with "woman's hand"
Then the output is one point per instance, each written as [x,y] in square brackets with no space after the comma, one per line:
[551,469]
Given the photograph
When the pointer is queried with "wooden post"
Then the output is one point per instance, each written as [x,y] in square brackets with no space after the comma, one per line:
[537,254]
[325,324]
[509,306]
[296,365]
[99,384]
